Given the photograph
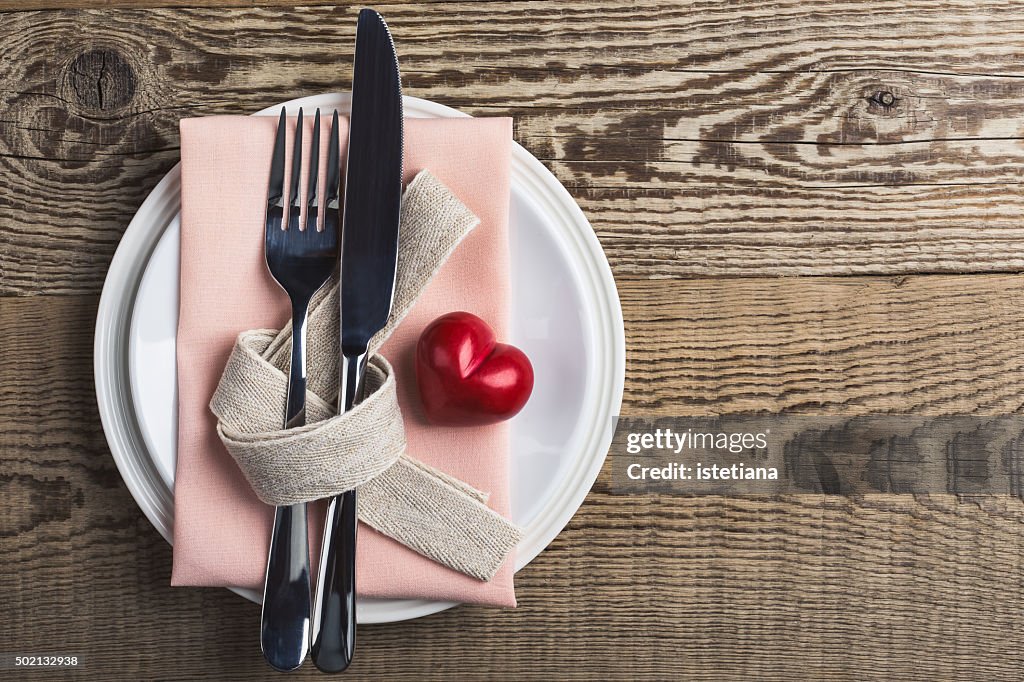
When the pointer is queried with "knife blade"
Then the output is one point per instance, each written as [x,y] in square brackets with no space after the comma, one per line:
[369,257]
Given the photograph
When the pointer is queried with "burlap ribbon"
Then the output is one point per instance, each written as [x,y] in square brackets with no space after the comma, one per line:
[423,508]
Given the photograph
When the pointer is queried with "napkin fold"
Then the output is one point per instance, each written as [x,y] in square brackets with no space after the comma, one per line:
[221,529]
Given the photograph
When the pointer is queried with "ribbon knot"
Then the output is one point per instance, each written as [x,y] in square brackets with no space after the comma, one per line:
[423,508]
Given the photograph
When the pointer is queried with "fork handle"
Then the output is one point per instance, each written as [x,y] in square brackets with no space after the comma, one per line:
[284,631]
[334,612]
[284,622]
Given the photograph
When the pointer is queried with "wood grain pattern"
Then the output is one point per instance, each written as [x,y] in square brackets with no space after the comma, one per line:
[927,345]
[734,140]
[870,149]
[636,587]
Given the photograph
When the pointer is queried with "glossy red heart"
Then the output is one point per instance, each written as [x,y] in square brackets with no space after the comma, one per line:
[466,377]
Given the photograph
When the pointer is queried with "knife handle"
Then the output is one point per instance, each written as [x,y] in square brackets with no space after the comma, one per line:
[334,611]
[334,616]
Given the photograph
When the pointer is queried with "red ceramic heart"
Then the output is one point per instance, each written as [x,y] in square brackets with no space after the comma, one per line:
[465,377]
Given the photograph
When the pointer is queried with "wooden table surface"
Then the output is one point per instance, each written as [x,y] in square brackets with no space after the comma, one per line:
[809,206]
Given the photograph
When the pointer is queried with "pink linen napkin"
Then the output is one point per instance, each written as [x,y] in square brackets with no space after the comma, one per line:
[221,529]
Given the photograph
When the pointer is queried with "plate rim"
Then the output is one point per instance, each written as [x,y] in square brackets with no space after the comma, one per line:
[115,312]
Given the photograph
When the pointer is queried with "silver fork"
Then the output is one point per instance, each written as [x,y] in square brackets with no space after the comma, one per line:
[301,261]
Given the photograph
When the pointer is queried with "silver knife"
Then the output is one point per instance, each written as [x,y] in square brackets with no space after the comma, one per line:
[369,256]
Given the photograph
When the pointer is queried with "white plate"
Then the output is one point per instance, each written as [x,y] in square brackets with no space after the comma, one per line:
[566,317]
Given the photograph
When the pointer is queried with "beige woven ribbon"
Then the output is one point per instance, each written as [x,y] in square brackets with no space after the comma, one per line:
[426,510]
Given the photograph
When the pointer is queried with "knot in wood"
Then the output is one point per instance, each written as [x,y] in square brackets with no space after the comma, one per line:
[101,79]
[883,98]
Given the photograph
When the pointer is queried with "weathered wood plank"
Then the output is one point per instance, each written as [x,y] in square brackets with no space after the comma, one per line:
[781,164]
[928,345]
[711,589]
[641,587]
[735,35]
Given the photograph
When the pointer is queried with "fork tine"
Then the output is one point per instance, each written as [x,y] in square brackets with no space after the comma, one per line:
[293,192]
[314,176]
[332,189]
[333,185]
[275,190]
